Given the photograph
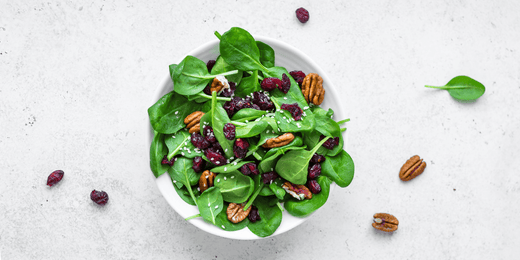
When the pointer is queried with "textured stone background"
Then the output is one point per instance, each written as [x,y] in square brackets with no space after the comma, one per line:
[77,78]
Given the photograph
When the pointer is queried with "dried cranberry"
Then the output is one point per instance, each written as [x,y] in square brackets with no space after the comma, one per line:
[214,157]
[218,148]
[199,141]
[330,143]
[240,148]
[168,162]
[314,171]
[255,106]
[294,109]
[269,177]
[198,164]
[286,84]
[207,90]
[317,158]
[99,197]
[314,186]
[210,64]
[262,100]
[269,84]
[229,131]
[249,168]
[208,134]
[253,214]
[298,76]
[229,106]
[55,177]
[302,14]
[228,92]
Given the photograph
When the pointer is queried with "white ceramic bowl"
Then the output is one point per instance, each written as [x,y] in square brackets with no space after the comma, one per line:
[285,56]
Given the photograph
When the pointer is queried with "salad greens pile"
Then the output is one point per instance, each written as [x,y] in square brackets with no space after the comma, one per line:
[245,62]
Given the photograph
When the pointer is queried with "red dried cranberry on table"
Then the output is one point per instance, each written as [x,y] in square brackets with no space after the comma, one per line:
[99,197]
[298,76]
[214,157]
[198,164]
[55,177]
[294,109]
[314,171]
[229,106]
[199,141]
[302,14]
[208,134]
[262,101]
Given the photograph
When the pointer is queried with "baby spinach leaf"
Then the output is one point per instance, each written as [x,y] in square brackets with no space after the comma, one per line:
[248,114]
[297,141]
[184,194]
[251,129]
[191,76]
[238,48]
[234,186]
[264,191]
[270,217]
[276,187]
[293,165]
[221,66]
[266,54]
[157,152]
[303,208]
[463,88]
[180,143]
[223,222]
[312,138]
[182,172]
[267,134]
[324,124]
[248,85]
[339,168]
[217,117]
[229,167]
[168,113]
[210,204]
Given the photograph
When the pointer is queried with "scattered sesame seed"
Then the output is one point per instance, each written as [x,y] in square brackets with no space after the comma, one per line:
[225,178]
[232,176]
[226,150]
[217,162]
[174,181]
[182,153]
[212,158]
[218,180]
[223,227]
[173,136]
[209,204]
[176,112]
[285,98]
[225,169]
[235,163]
[216,206]
[272,169]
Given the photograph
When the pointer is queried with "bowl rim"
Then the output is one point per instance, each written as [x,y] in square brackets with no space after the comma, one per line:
[164,182]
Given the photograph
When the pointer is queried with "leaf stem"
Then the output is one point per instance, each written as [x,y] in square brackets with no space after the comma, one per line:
[257,156]
[445,87]
[279,206]
[218,35]
[319,145]
[343,121]
[343,129]
[192,217]
[191,193]
[238,123]
[201,94]
[253,197]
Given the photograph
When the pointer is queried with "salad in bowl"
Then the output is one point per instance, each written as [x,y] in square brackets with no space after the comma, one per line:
[242,147]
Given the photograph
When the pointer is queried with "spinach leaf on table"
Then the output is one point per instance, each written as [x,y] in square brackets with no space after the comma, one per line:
[339,168]
[168,113]
[217,117]
[234,186]
[210,204]
[303,208]
[222,66]
[463,88]
[270,217]
[180,143]
[157,152]
[223,222]
[293,166]
[266,54]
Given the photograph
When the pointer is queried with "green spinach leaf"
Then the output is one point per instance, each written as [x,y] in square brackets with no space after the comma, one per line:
[238,48]
[297,141]
[182,172]
[217,117]
[247,114]
[221,66]
[303,208]
[180,143]
[463,88]
[210,204]
[184,194]
[251,129]
[229,167]
[270,217]
[157,152]
[266,54]
[339,168]
[223,222]
[234,186]
[168,113]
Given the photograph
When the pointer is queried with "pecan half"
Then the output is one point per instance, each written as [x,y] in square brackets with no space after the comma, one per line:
[219,83]
[412,168]
[385,222]
[312,88]
[299,192]
[236,213]
[192,121]
[278,141]
[206,180]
